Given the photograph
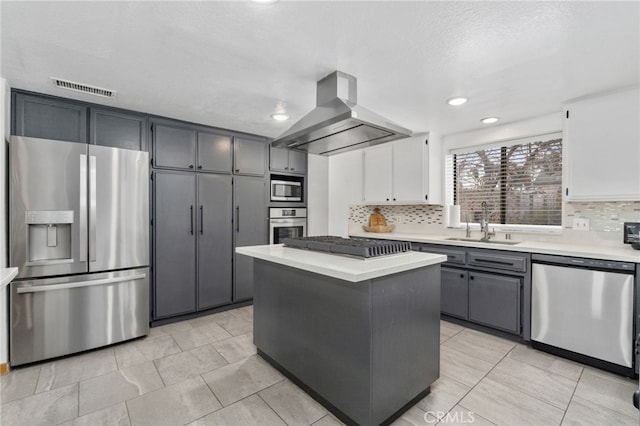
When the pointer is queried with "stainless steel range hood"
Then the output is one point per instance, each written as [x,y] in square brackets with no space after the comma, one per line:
[338,124]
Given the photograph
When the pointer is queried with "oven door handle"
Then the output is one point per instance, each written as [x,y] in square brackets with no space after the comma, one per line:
[288,221]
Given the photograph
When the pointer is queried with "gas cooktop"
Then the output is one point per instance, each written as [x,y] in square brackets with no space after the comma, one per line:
[360,247]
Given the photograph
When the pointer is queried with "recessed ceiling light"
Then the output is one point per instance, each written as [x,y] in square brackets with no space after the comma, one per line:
[489,120]
[457,101]
[280,116]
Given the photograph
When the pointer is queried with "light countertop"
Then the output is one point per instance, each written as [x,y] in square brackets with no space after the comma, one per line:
[6,275]
[342,267]
[626,254]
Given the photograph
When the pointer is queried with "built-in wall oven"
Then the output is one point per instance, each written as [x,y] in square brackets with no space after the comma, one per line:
[287,223]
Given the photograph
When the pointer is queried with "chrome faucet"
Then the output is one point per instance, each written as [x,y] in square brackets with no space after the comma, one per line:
[484,223]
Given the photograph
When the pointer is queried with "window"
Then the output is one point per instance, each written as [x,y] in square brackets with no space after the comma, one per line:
[521,182]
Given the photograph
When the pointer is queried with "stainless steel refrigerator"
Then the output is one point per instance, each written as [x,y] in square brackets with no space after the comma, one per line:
[79,235]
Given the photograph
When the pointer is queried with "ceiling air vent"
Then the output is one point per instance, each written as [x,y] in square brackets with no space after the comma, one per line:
[83,88]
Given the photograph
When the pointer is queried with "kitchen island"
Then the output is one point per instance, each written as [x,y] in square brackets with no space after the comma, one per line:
[359,335]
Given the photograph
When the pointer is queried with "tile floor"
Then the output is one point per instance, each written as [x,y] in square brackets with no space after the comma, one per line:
[205,371]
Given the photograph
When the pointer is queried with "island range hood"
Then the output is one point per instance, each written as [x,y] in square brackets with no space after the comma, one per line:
[338,124]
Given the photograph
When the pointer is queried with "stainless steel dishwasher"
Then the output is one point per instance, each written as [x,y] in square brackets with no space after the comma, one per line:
[584,306]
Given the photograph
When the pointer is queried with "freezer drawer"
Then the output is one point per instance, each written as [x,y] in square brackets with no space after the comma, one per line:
[59,316]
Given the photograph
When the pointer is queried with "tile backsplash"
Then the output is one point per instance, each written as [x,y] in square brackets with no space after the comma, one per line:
[603,216]
[406,214]
[605,221]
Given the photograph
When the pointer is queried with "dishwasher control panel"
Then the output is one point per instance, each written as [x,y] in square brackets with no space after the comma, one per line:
[584,263]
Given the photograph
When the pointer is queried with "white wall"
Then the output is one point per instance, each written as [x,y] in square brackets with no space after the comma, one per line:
[531,127]
[317,195]
[345,188]
[4,131]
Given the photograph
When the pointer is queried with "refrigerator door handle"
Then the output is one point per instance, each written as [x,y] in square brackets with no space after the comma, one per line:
[201,220]
[82,246]
[92,207]
[80,284]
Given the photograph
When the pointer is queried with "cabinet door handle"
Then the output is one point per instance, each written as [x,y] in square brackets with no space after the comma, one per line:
[201,220]
[461,275]
[237,170]
[191,166]
[394,199]
[191,216]
[494,261]
[387,199]
[200,167]
[471,277]
[292,169]
[237,218]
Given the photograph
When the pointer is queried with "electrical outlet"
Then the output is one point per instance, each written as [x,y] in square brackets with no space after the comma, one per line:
[396,219]
[580,224]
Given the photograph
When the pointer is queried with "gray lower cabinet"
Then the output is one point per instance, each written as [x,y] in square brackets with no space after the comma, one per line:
[494,300]
[174,263]
[250,228]
[488,287]
[49,118]
[215,240]
[249,156]
[454,292]
[115,128]
[192,242]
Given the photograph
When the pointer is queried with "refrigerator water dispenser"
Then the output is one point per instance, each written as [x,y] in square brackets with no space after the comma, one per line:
[49,235]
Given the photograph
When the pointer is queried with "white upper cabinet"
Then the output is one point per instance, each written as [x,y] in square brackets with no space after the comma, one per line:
[378,174]
[398,173]
[601,148]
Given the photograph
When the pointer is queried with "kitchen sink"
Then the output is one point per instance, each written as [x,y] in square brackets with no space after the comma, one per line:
[477,240]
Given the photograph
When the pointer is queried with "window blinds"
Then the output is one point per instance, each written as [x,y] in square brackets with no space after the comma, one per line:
[521,182]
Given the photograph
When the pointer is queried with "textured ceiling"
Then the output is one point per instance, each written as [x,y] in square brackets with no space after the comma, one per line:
[232,64]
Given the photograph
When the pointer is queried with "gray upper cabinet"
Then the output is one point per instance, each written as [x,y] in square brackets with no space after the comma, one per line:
[285,160]
[297,162]
[174,147]
[174,266]
[250,228]
[48,118]
[118,129]
[279,159]
[249,156]
[215,240]
[215,152]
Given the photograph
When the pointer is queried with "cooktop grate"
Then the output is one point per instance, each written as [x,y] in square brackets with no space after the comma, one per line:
[360,247]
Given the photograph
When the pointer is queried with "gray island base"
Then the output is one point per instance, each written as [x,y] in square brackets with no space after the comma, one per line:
[366,350]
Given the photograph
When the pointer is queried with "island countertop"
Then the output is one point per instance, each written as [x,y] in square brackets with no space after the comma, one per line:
[342,267]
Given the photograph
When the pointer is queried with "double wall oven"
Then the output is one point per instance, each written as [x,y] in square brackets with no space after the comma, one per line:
[287,222]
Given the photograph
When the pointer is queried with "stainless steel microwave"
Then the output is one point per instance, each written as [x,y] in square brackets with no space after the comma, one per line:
[284,190]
